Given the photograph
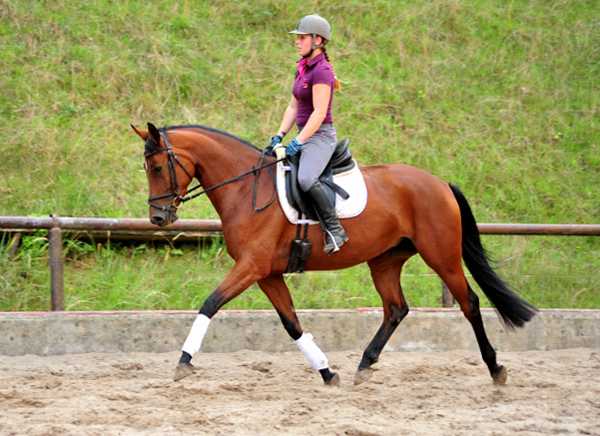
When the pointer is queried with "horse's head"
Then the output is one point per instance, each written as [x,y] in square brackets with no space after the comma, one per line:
[164,176]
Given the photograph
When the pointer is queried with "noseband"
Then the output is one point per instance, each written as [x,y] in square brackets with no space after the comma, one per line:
[172,158]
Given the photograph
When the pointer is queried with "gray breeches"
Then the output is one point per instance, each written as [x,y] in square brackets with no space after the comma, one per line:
[315,155]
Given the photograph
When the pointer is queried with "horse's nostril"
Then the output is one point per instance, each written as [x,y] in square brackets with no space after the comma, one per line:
[158,220]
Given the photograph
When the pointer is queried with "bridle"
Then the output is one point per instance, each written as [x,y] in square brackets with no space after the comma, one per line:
[172,158]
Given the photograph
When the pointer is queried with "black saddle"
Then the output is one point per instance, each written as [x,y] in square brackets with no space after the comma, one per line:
[340,162]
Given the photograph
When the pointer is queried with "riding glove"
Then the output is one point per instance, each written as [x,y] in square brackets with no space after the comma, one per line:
[293,148]
[274,141]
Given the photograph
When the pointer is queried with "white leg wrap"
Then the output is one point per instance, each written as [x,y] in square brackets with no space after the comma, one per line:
[194,340]
[312,352]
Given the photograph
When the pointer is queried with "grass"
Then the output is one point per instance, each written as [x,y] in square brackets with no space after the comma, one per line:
[498,97]
[549,272]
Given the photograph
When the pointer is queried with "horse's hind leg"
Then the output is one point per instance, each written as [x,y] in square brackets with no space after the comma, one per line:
[443,255]
[385,271]
[469,304]
[278,293]
[498,372]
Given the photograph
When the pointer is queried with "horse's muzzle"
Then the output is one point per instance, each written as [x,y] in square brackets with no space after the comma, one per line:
[163,217]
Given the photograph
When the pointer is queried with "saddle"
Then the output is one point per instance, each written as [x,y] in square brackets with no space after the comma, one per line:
[340,162]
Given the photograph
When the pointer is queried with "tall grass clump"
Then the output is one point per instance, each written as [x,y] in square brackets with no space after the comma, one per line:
[498,97]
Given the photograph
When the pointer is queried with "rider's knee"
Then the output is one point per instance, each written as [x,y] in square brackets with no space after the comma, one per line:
[306,181]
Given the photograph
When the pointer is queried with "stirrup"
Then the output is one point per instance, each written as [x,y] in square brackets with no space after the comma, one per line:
[331,245]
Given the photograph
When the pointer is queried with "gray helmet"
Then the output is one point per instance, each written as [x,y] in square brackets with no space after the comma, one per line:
[314,25]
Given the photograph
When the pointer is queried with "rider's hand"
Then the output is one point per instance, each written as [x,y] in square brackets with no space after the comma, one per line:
[293,148]
[274,141]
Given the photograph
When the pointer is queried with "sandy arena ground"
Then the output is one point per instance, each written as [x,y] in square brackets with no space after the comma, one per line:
[257,393]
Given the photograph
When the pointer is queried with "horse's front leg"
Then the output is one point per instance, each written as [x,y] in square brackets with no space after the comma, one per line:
[237,281]
[278,293]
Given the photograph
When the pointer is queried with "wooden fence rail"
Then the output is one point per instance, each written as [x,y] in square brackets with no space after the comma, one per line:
[126,228]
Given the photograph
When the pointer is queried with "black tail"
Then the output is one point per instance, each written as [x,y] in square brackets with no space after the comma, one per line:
[514,311]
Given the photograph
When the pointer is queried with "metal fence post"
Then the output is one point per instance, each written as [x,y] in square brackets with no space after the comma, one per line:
[14,244]
[447,298]
[57,291]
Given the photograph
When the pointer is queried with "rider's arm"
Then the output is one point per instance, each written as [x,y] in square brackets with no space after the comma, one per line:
[321,97]
[289,117]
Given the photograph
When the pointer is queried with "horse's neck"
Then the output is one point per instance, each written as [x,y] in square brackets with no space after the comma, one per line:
[220,158]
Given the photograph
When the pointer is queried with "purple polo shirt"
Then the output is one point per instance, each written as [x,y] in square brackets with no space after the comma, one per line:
[317,70]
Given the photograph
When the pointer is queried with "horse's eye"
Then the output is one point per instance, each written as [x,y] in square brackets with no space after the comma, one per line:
[157,170]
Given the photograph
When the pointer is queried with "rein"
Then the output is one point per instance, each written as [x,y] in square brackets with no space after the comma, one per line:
[172,158]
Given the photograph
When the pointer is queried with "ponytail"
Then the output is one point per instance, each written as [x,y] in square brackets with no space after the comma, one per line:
[337,85]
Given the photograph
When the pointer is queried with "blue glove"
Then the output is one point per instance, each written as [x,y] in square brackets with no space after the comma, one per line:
[293,148]
[274,141]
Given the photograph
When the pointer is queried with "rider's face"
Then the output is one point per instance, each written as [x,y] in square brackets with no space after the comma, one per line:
[303,43]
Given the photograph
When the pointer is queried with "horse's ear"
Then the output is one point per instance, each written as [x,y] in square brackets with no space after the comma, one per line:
[141,133]
[153,131]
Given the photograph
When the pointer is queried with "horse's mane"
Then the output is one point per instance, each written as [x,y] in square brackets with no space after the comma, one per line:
[210,129]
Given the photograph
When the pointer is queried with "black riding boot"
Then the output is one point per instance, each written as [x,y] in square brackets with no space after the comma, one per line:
[334,233]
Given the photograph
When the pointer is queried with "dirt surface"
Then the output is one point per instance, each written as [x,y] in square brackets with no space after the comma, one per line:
[258,393]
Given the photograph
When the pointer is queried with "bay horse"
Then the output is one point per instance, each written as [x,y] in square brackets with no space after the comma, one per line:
[408,211]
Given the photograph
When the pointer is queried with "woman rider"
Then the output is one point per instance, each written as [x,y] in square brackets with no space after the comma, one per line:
[310,110]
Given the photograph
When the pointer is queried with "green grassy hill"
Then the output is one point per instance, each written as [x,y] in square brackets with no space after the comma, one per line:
[498,97]
[501,98]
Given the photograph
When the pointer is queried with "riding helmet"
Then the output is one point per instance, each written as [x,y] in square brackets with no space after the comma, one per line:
[314,25]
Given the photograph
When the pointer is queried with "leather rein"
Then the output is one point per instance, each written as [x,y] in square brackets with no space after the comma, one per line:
[175,193]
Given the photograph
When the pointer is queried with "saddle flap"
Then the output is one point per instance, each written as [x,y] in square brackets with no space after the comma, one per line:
[340,162]
[297,198]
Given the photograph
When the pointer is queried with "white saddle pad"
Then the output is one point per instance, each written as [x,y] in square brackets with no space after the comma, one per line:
[351,181]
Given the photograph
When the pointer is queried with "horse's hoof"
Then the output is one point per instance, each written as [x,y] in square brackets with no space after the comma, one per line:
[362,376]
[334,382]
[183,370]
[501,376]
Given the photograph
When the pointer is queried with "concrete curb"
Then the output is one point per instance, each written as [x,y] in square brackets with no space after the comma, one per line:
[51,333]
